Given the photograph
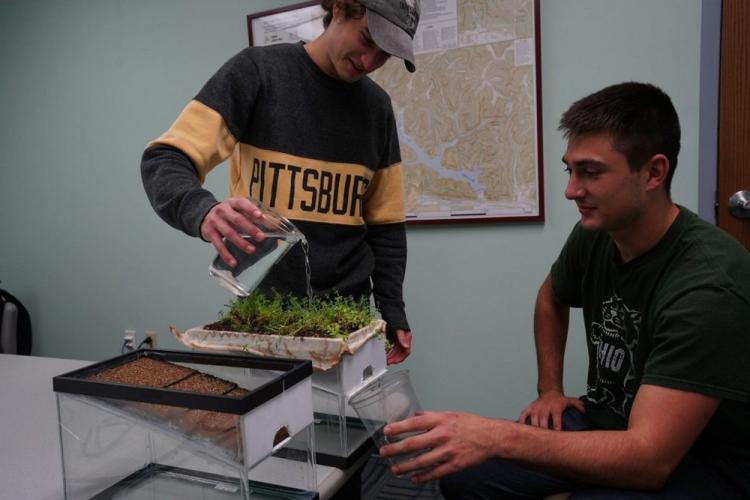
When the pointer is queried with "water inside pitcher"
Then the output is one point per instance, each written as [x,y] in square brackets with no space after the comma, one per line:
[280,236]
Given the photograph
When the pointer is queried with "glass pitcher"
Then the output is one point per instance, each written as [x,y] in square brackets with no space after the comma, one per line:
[280,236]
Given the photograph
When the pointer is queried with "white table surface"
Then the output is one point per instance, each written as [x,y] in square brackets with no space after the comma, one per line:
[30,464]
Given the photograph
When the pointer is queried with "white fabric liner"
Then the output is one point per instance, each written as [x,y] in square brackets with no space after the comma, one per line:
[325,353]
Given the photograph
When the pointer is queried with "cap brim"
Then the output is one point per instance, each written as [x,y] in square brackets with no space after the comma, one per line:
[391,38]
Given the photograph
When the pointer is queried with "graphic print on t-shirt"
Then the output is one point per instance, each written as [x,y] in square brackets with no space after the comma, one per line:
[615,338]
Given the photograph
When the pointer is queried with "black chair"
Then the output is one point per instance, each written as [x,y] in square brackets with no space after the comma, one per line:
[15,325]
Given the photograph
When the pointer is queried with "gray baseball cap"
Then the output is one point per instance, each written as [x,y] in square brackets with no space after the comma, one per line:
[392,24]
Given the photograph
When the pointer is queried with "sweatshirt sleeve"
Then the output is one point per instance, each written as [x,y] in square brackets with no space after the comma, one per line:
[175,165]
[388,244]
[174,189]
[385,216]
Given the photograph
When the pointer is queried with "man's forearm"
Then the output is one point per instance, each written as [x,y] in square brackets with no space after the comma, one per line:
[663,425]
[597,457]
[550,336]
[611,458]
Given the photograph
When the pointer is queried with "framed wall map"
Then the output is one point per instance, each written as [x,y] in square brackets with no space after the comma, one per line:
[303,21]
[469,118]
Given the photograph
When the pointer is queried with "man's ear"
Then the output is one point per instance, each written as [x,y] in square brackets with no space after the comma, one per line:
[657,169]
[336,8]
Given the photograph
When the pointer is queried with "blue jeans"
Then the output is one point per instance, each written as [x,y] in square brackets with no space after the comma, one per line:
[498,479]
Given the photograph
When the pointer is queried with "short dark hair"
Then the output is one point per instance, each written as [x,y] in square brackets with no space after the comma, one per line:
[351,8]
[640,118]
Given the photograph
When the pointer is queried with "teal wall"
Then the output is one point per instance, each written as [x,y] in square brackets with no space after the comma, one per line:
[84,84]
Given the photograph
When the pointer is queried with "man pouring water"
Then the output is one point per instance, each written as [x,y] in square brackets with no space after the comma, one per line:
[309,135]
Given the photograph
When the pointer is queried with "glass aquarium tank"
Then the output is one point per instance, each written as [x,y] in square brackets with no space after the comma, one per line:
[172,424]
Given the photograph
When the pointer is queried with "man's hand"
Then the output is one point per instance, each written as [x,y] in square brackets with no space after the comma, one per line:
[549,405]
[450,441]
[664,424]
[400,346]
[231,219]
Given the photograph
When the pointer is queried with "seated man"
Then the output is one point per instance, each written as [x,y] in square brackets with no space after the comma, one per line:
[666,305]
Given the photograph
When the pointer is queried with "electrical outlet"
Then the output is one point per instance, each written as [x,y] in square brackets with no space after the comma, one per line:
[150,334]
[128,341]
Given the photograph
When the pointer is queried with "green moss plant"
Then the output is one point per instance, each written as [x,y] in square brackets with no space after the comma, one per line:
[331,317]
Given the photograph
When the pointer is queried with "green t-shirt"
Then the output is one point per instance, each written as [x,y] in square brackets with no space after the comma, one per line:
[677,316]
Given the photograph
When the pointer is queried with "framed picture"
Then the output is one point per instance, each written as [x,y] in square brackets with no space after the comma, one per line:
[302,21]
[469,119]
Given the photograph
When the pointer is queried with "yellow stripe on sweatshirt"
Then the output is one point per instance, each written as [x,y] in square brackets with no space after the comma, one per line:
[303,188]
[385,199]
[201,133]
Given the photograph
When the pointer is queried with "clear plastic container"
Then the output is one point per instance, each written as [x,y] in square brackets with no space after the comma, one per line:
[389,398]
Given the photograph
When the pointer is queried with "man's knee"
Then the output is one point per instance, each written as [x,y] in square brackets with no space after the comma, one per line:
[466,485]
[574,420]
[451,486]
[495,479]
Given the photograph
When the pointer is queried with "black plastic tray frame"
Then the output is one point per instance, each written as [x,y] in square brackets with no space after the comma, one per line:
[265,490]
[294,371]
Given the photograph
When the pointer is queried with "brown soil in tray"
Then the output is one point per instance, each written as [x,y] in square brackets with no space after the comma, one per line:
[144,371]
[207,423]
[203,384]
[238,392]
